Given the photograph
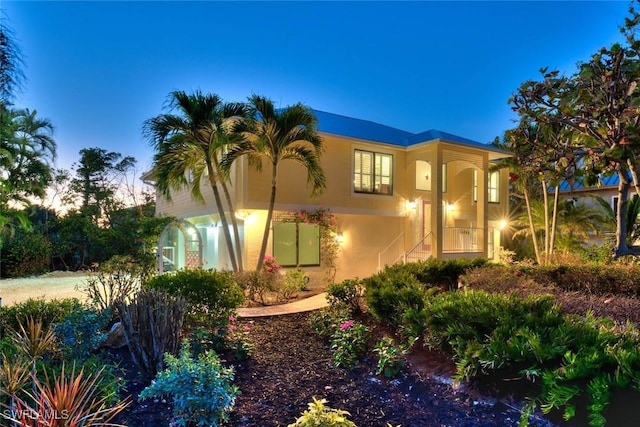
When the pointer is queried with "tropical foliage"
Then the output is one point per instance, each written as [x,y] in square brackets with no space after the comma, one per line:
[277,135]
[188,148]
[598,106]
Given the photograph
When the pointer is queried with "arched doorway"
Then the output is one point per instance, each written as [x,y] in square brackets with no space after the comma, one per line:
[179,246]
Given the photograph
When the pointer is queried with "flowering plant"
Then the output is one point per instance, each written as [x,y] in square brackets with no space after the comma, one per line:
[329,246]
[238,339]
[322,217]
[349,343]
[269,264]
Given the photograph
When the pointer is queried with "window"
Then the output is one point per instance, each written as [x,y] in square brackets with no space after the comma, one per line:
[494,187]
[373,172]
[296,244]
[493,194]
[444,177]
[475,186]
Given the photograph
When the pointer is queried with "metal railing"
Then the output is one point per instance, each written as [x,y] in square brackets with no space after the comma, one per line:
[462,239]
[421,251]
[392,253]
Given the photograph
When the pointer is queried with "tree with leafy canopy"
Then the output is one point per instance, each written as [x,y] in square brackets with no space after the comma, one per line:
[277,135]
[188,144]
[600,104]
[98,177]
[542,157]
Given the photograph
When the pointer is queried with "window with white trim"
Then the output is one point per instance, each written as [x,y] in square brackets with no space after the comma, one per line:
[494,187]
[372,172]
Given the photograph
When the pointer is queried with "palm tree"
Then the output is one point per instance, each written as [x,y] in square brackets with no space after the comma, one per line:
[631,216]
[188,147]
[277,135]
[11,62]
[575,223]
[27,150]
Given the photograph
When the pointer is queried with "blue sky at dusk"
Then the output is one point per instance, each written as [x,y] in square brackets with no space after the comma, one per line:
[97,70]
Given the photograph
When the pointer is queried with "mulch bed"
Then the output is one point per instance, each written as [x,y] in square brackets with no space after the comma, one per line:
[291,365]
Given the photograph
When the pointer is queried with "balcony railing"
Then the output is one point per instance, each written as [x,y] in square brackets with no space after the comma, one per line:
[462,239]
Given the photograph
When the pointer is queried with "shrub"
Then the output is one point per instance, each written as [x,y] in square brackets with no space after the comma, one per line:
[320,415]
[294,281]
[256,284]
[391,358]
[614,279]
[439,273]
[82,332]
[567,354]
[391,293]
[201,389]
[348,292]
[48,312]
[118,279]
[349,343]
[26,253]
[152,325]
[238,339]
[325,321]
[211,294]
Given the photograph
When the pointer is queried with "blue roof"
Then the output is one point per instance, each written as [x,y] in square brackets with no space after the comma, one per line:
[371,131]
[605,181]
[357,128]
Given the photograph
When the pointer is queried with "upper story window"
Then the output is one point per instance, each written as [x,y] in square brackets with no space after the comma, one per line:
[493,186]
[372,172]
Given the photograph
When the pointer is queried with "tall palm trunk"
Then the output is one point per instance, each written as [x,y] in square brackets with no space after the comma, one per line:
[267,226]
[234,224]
[223,218]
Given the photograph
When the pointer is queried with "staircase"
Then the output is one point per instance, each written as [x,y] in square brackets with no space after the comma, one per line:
[394,253]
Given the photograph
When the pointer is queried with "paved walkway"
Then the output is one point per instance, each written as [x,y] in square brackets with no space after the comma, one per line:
[308,304]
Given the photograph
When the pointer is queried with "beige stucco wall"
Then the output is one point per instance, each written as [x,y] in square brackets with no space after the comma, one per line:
[368,222]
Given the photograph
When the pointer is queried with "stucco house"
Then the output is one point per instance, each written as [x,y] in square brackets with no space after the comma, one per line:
[393,195]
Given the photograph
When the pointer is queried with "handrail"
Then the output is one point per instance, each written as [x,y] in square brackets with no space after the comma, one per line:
[401,236]
[414,249]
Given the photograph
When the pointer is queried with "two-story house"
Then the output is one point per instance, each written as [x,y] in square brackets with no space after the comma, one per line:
[396,196]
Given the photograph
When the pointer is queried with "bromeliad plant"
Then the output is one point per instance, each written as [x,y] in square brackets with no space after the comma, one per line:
[349,343]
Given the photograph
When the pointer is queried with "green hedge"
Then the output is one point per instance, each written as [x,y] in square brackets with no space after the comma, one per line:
[53,311]
[400,288]
[208,293]
[621,280]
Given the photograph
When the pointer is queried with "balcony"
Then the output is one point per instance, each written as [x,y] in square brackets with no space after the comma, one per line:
[462,239]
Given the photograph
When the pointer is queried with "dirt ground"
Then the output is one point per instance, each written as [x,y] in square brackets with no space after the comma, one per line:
[49,286]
